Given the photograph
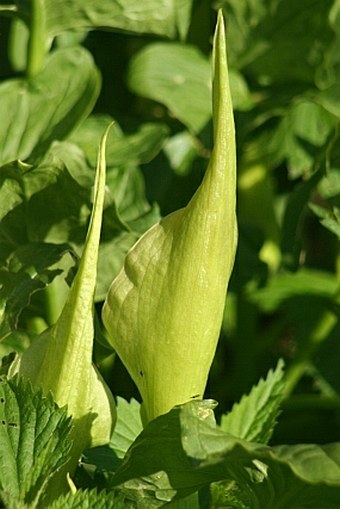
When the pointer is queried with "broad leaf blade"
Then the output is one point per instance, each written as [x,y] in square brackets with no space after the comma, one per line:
[195,453]
[254,417]
[150,16]
[173,74]
[48,106]
[35,441]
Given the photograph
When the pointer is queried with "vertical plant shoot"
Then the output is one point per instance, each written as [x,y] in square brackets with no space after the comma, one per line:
[164,309]
[60,360]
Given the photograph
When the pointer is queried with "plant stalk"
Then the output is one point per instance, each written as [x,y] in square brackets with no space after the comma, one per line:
[37,39]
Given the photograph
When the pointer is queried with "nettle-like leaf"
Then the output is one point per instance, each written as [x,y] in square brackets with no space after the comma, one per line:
[184,451]
[34,442]
[49,105]
[164,309]
[60,360]
[254,417]
[90,499]
[128,426]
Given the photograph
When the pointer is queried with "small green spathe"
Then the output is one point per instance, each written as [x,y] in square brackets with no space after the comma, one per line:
[60,359]
[164,309]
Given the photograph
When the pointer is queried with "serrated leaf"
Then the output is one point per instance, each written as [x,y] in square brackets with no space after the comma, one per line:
[90,500]
[195,453]
[128,426]
[254,417]
[34,441]
[164,309]
[60,360]
[39,110]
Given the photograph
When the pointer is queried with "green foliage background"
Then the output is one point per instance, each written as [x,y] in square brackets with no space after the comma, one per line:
[147,65]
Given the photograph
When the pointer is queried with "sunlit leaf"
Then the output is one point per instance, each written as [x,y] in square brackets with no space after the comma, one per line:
[254,417]
[48,106]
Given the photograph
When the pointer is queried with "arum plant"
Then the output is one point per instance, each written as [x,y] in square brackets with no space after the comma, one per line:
[164,309]
[60,360]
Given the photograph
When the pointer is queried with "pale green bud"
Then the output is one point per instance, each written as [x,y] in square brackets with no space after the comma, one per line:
[164,309]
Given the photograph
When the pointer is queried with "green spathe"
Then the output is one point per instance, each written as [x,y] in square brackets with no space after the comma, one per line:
[164,309]
[60,360]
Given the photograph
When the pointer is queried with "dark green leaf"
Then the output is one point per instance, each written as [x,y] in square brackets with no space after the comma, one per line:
[306,125]
[182,451]
[29,269]
[265,34]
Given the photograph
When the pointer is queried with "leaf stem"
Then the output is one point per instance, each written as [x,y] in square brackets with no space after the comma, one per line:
[36,42]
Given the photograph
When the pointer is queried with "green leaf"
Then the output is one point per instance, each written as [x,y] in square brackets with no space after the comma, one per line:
[89,500]
[128,426]
[254,417]
[173,74]
[48,106]
[35,442]
[291,226]
[262,30]
[305,126]
[330,99]
[122,149]
[60,360]
[161,17]
[181,150]
[287,285]
[164,309]
[11,192]
[330,219]
[30,268]
[195,453]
